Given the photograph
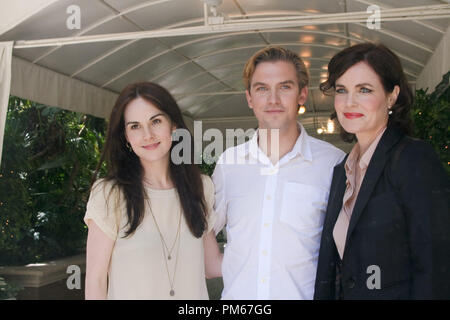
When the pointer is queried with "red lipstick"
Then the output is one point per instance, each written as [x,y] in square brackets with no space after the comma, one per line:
[353,115]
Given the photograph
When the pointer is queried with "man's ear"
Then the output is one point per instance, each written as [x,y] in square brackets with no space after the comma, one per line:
[249,99]
[303,95]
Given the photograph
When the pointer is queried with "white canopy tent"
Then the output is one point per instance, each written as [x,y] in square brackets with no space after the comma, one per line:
[79,54]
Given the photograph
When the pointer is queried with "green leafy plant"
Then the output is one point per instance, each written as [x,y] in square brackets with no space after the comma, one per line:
[431,115]
[207,168]
[49,156]
[7,290]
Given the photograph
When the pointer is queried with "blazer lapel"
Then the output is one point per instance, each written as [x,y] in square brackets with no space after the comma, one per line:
[390,137]
[337,194]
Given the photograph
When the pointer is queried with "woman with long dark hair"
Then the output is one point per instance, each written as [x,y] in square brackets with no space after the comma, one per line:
[386,233]
[150,220]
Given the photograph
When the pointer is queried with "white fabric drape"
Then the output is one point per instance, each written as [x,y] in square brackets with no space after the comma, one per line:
[437,65]
[39,84]
[5,84]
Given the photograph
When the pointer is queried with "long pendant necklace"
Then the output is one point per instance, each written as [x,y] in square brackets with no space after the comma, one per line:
[164,247]
[169,256]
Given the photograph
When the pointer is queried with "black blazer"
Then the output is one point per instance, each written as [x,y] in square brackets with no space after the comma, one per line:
[400,223]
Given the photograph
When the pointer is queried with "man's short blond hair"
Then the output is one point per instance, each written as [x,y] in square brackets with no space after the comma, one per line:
[274,54]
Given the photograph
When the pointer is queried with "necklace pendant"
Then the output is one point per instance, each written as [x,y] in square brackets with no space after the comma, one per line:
[172,293]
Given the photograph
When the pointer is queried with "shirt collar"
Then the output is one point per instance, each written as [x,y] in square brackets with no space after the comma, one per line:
[365,158]
[301,146]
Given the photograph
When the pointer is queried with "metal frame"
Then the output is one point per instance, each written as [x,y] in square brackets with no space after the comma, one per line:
[238,25]
[411,13]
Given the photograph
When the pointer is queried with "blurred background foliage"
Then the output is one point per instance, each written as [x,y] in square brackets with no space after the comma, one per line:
[49,156]
[431,115]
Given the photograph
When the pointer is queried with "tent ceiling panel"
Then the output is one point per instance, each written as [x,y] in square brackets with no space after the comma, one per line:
[414,31]
[30,54]
[313,50]
[238,84]
[306,37]
[230,80]
[401,47]
[411,68]
[180,41]
[309,6]
[121,60]
[69,59]
[411,29]
[441,23]
[115,25]
[213,87]
[151,18]
[51,22]
[226,70]
[305,33]
[227,55]
[405,4]
[226,106]
[189,72]
[121,5]
[147,70]
[172,6]
[198,69]
[198,85]
[201,48]
[191,103]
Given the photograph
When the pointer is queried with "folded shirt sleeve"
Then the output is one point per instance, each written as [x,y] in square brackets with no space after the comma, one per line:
[220,206]
[102,208]
[208,189]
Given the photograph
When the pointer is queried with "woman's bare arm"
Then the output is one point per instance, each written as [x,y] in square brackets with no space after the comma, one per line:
[98,255]
[213,256]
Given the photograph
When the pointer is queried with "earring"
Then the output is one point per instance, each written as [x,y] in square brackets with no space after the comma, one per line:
[174,135]
[390,111]
[129,147]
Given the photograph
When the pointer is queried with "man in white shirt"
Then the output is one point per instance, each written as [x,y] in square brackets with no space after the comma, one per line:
[272,193]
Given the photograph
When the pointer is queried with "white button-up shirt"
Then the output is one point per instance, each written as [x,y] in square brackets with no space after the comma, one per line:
[273,216]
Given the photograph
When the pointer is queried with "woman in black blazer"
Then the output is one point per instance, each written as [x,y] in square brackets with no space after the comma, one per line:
[390,237]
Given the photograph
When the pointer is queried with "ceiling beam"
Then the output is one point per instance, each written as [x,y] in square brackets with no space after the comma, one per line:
[423,12]
[218,36]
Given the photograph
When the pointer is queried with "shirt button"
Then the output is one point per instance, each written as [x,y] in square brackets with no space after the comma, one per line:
[263,280]
[264,252]
[268,197]
[266,225]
